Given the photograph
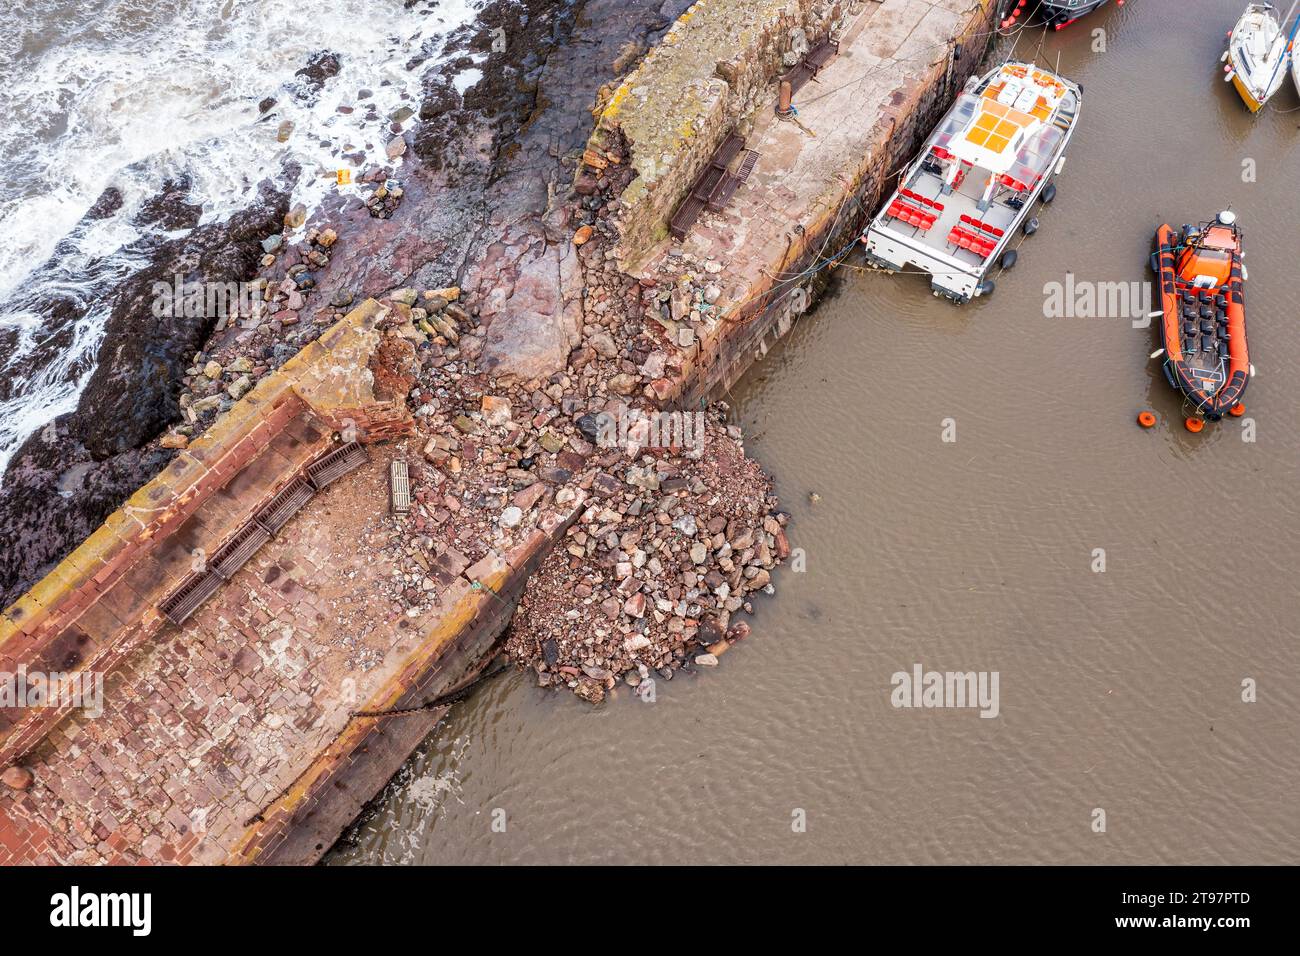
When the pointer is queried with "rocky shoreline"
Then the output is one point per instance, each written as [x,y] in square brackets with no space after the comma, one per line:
[478,239]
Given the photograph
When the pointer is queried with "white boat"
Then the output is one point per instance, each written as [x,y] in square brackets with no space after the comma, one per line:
[1255,61]
[960,203]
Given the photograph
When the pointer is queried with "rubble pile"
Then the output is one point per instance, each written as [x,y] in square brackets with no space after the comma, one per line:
[677,531]
[279,312]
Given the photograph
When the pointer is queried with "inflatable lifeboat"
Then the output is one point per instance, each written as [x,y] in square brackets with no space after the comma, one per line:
[1202,292]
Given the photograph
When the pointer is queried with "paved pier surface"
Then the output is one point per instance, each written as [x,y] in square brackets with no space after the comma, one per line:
[808,164]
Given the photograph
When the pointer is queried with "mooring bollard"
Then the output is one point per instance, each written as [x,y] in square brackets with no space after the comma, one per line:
[783,107]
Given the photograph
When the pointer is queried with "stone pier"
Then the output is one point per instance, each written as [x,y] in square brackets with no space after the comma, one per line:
[893,68]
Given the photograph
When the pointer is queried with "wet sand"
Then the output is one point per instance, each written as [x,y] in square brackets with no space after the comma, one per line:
[1119,690]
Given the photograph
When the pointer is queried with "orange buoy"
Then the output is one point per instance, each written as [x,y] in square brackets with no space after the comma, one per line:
[1146,419]
[1236,411]
[1194,425]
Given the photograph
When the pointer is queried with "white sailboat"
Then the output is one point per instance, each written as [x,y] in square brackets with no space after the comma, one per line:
[1257,54]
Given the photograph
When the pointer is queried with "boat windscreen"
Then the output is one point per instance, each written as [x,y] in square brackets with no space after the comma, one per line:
[958,119]
[1036,155]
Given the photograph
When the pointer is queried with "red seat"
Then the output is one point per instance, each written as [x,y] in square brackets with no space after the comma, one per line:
[910,214]
[964,239]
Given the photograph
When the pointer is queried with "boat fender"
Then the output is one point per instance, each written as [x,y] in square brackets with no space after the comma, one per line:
[1146,419]
[1169,375]
[1049,193]
[1236,411]
[1031,226]
[1194,425]
[986,287]
[1009,259]
[1155,263]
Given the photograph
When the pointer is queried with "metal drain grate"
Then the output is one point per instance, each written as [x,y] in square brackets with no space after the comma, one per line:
[400,487]
[336,464]
[186,599]
[287,503]
[234,554]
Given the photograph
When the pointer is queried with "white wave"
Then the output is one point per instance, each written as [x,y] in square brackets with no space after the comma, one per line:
[130,92]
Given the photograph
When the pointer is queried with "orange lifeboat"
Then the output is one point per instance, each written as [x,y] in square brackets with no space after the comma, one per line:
[1202,292]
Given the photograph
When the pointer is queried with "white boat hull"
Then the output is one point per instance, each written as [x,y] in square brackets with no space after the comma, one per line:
[889,246]
[1256,56]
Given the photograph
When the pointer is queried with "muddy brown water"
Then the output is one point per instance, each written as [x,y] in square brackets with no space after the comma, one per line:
[1118,690]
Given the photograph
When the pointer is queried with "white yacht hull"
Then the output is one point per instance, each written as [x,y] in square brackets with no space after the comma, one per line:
[888,246]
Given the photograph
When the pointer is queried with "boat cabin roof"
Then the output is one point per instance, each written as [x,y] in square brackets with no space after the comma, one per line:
[994,124]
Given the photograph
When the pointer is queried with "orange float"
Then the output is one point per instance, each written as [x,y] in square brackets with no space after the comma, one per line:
[1146,419]
[1194,425]
[1236,411]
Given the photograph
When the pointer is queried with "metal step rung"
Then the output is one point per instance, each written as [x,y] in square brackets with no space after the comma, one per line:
[187,598]
[685,217]
[336,464]
[709,182]
[821,54]
[800,75]
[728,150]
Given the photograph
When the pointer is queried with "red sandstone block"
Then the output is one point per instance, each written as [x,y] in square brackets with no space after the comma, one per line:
[124,602]
[118,563]
[533,545]
[99,623]
[27,614]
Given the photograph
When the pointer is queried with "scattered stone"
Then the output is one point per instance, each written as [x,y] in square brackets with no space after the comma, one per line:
[604,345]
[623,384]
[496,410]
[512,517]
[239,387]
